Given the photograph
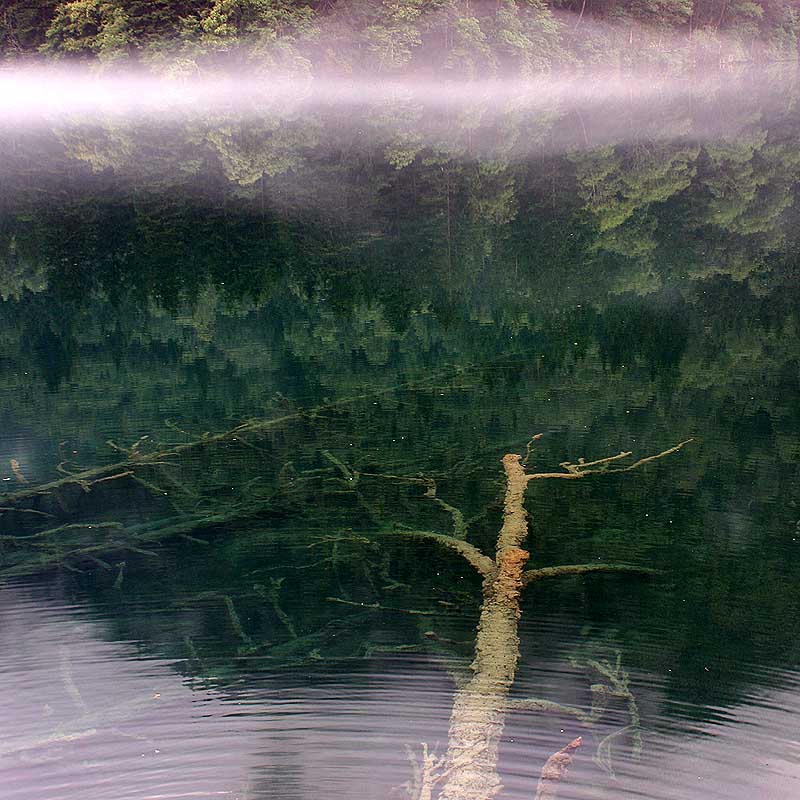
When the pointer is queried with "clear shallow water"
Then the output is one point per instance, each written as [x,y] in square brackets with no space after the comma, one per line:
[240,617]
[98,717]
[93,717]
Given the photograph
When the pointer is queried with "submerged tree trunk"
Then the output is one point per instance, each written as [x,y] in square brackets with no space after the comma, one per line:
[468,771]
[479,708]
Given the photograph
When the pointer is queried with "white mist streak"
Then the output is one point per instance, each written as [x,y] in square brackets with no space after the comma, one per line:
[30,97]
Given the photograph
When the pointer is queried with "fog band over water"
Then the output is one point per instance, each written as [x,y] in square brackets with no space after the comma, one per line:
[288,120]
[52,95]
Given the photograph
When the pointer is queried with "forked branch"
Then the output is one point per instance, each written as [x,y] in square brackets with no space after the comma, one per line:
[600,466]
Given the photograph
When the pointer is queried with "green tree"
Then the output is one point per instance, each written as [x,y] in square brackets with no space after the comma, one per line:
[23,24]
[267,30]
[86,28]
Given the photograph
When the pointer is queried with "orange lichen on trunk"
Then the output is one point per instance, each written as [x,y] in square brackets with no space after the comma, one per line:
[479,708]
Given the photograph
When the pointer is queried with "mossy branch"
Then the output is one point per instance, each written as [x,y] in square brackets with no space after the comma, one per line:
[431,493]
[483,564]
[564,570]
[536,704]
[5,510]
[459,523]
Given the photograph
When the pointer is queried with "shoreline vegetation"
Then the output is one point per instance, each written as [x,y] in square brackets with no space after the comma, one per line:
[462,39]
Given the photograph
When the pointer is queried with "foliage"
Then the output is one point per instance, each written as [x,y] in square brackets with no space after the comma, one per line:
[89,28]
[471,38]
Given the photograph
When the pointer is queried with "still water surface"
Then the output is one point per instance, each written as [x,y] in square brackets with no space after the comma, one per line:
[248,349]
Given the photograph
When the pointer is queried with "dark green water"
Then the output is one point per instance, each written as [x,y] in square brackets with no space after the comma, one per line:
[615,285]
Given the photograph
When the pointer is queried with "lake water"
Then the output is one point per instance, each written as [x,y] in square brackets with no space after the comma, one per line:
[243,355]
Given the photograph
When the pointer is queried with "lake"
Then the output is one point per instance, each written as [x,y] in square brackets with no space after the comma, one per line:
[259,368]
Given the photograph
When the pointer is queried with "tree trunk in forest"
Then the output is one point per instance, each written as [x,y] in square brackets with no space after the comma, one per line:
[580,16]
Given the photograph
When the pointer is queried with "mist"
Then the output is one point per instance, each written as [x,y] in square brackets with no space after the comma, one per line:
[45,96]
[417,75]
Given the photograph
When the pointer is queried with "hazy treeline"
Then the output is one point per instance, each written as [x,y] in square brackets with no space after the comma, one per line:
[326,194]
[465,38]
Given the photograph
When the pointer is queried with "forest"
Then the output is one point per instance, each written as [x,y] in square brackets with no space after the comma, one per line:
[473,39]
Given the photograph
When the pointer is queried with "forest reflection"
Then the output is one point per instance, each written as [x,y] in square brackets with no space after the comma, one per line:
[257,224]
[411,297]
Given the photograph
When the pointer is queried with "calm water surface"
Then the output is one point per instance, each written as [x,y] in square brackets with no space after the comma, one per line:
[248,348]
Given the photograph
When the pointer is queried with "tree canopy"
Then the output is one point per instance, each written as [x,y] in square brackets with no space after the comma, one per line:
[464,38]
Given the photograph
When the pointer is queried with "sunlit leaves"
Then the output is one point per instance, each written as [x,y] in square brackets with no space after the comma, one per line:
[90,27]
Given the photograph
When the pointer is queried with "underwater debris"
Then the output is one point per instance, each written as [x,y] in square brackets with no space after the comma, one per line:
[555,770]
[15,468]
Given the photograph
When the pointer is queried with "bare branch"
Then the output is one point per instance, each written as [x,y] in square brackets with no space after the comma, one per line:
[643,461]
[427,773]
[529,448]
[581,465]
[564,570]
[379,607]
[580,470]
